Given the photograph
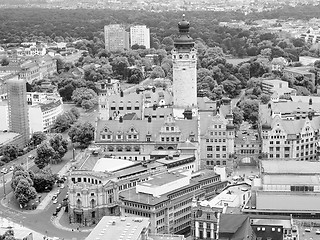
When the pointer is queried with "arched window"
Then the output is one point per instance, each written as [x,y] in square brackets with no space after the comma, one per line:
[78,203]
[170,148]
[92,203]
[160,148]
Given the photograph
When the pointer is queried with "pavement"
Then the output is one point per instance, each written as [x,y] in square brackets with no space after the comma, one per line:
[41,208]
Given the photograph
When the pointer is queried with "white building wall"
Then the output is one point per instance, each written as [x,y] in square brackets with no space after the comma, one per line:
[184,78]
[35,119]
[4,117]
[140,35]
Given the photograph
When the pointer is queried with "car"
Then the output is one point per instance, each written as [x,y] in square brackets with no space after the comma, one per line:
[62,186]
[58,192]
[307,230]
[11,168]
[53,197]
[31,156]
[55,213]
[318,232]
[55,201]
[4,170]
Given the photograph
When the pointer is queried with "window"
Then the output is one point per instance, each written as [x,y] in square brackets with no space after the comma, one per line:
[208,216]
[217,148]
[209,148]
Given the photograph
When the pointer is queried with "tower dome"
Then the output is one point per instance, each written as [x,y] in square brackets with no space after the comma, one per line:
[184,41]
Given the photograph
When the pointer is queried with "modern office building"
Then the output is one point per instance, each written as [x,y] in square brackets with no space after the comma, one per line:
[18,107]
[140,35]
[116,38]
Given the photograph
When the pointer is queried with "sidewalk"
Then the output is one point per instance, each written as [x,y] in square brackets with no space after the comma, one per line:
[56,221]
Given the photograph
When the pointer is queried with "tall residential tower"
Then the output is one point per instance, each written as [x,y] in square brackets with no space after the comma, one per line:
[140,35]
[18,107]
[184,57]
[116,38]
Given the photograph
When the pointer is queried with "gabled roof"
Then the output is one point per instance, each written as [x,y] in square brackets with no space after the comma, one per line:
[143,127]
[233,224]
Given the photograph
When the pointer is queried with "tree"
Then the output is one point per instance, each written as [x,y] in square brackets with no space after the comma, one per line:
[265,98]
[250,110]
[135,76]
[317,64]
[37,138]
[82,134]
[81,94]
[157,72]
[60,147]
[24,192]
[61,124]
[237,116]
[119,66]
[75,112]
[44,179]
[10,151]
[44,155]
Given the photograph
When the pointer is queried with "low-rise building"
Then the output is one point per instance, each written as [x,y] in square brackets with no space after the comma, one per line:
[233,226]
[125,228]
[277,88]
[289,130]
[95,187]
[286,188]
[167,198]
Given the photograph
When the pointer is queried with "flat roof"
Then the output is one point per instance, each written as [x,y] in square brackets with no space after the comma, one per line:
[111,164]
[290,167]
[119,228]
[286,223]
[291,179]
[162,179]
[7,137]
[277,201]
[174,159]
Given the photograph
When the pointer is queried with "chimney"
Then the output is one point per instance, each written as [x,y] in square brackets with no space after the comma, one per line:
[109,79]
[120,119]
[149,119]
[121,93]
[310,101]
[153,89]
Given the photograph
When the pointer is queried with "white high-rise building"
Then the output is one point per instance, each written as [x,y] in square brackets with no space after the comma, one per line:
[115,37]
[140,35]
[184,58]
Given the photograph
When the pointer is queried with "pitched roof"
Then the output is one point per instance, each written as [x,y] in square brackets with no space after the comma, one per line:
[230,223]
[143,127]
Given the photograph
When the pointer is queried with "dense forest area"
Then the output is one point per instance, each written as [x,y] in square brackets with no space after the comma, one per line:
[18,24]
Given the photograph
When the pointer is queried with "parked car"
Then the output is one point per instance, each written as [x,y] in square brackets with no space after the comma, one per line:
[55,213]
[58,207]
[4,170]
[55,201]
[62,186]
[58,192]
[53,197]
[11,168]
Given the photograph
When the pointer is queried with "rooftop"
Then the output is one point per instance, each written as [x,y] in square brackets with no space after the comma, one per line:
[291,180]
[286,223]
[7,137]
[283,202]
[111,164]
[290,167]
[119,228]
[162,179]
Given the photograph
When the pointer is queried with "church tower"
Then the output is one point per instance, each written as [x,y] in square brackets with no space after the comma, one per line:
[184,58]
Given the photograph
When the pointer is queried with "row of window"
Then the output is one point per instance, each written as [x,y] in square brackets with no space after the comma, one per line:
[216,140]
[136,205]
[187,209]
[217,148]
[211,163]
[302,188]
[127,108]
[143,214]
[210,155]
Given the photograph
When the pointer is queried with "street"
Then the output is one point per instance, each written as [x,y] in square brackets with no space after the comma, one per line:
[40,220]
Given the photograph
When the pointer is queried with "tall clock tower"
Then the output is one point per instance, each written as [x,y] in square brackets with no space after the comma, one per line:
[184,58]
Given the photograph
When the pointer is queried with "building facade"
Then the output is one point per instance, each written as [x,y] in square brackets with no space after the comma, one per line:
[18,108]
[140,35]
[184,59]
[115,38]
